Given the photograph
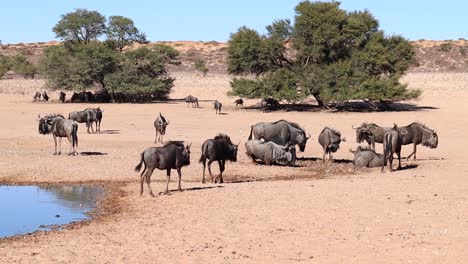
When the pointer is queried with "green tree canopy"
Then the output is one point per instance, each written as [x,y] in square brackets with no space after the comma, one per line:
[329,53]
[200,65]
[123,32]
[80,26]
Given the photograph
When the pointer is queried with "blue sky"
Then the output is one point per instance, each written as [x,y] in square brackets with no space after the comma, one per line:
[206,20]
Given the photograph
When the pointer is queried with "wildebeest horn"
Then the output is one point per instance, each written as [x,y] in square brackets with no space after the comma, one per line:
[238,143]
[39,116]
[309,136]
[343,139]
[189,145]
[351,150]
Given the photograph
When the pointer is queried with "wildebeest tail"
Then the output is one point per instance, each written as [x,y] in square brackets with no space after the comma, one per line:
[142,160]
[75,135]
[387,146]
[251,129]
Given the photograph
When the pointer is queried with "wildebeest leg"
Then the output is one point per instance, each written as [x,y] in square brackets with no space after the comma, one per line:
[330,156]
[60,146]
[168,178]
[399,160]
[221,170]
[204,167]
[55,142]
[179,173]
[156,137]
[414,152]
[209,169]
[390,163]
[324,153]
[148,174]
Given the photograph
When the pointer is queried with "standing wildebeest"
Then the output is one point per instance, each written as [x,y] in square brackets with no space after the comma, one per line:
[87,116]
[45,97]
[37,96]
[221,149]
[60,127]
[239,102]
[417,133]
[173,155]
[365,157]
[270,152]
[160,125]
[281,132]
[96,116]
[370,133]
[392,144]
[62,97]
[269,104]
[330,140]
[191,100]
[217,106]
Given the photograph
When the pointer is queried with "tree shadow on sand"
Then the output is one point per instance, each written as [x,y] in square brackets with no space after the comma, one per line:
[108,132]
[92,153]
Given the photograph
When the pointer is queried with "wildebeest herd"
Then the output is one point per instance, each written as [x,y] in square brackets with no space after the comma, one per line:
[269,143]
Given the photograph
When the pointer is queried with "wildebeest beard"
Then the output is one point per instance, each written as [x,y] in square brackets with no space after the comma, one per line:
[43,127]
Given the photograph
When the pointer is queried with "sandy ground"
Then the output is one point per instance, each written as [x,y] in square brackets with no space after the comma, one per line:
[316,213]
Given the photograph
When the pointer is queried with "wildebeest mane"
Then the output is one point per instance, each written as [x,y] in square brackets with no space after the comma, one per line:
[177,144]
[334,131]
[421,125]
[296,125]
[223,137]
[53,115]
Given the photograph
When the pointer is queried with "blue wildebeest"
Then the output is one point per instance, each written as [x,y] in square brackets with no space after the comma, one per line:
[220,149]
[270,152]
[365,157]
[330,140]
[96,117]
[37,96]
[60,127]
[191,100]
[239,102]
[371,133]
[160,125]
[393,140]
[417,133]
[269,104]
[173,155]
[87,116]
[45,97]
[217,106]
[281,132]
[62,97]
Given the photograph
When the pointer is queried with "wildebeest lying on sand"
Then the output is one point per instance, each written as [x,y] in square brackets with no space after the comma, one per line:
[173,155]
[60,127]
[270,152]
[365,157]
[330,140]
[281,132]
[221,149]
[393,139]
[160,125]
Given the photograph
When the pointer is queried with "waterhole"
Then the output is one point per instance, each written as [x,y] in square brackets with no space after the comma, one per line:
[25,209]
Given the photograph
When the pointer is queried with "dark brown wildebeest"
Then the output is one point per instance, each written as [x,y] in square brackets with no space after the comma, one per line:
[221,149]
[191,100]
[87,116]
[417,133]
[365,157]
[62,97]
[393,140]
[60,127]
[330,140]
[281,132]
[173,155]
[217,106]
[239,102]
[269,104]
[371,133]
[82,97]
[160,125]
[270,152]
[37,96]
[45,97]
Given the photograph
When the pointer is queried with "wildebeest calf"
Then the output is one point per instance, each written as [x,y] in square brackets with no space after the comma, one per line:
[330,140]
[365,157]
[173,155]
[218,149]
[270,152]
[217,106]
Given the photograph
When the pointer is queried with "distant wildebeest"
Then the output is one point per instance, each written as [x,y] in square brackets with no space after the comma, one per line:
[173,155]
[87,116]
[220,149]
[96,116]
[371,133]
[62,97]
[82,97]
[191,100]
[393,140]
[330,140]
[217,106]
[60,127]
[45,97]
[239,102]
[270,152]
[365,157]
[269,104]
[281,132]
[417,133]
[37,96]
[160,125]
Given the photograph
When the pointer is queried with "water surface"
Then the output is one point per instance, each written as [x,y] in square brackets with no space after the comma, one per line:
[26,209]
